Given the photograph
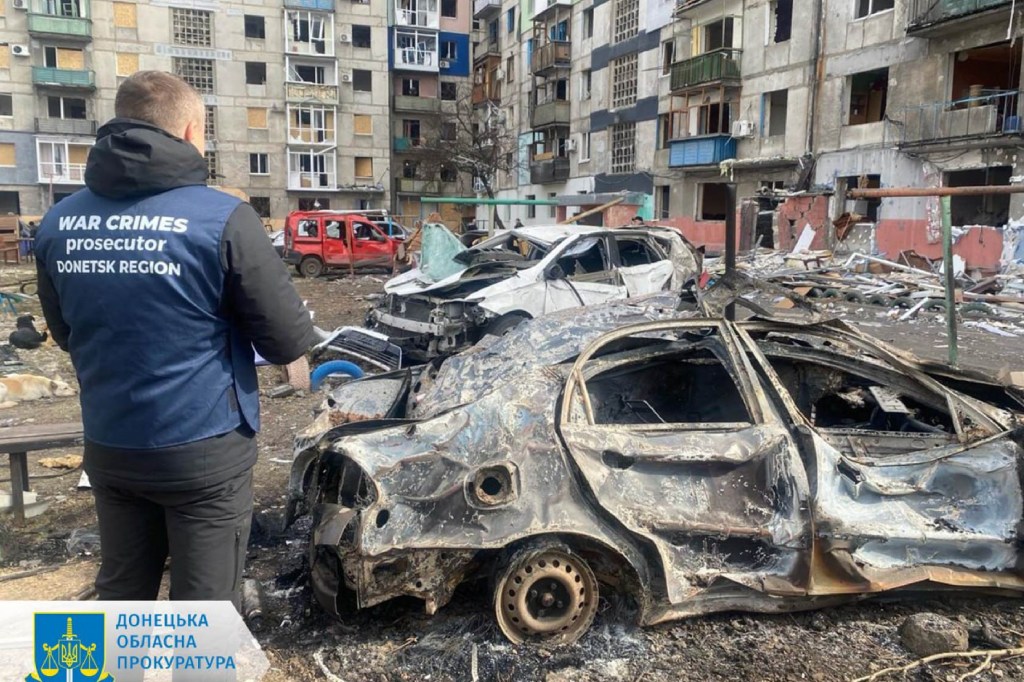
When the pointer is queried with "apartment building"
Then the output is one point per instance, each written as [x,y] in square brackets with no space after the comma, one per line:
[793,103]
[430,59]
[296,93]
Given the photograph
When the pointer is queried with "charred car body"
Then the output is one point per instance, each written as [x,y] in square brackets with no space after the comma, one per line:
[698,465]
[524,273]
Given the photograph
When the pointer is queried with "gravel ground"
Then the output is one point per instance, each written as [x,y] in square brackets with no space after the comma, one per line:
[396,641]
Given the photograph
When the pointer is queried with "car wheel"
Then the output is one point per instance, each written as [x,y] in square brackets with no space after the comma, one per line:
[504,324]
[545,594]
[311,267]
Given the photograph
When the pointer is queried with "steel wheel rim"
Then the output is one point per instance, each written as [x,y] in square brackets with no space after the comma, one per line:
[549,595]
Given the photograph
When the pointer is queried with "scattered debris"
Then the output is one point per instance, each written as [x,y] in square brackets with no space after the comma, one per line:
[281,391]
[65,462]
[83,541]
[926,634]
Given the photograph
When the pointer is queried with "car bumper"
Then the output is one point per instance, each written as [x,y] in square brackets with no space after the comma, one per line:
[339,572]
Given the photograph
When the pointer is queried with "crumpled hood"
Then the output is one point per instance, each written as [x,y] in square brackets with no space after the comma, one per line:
[133,158]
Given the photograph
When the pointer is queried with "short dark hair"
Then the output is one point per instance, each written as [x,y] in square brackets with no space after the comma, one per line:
[637,217]
[159,98]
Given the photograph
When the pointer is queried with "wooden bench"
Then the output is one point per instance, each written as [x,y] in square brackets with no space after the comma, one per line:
[18,441]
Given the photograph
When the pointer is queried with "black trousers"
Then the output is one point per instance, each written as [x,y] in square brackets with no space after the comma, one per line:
[205,532]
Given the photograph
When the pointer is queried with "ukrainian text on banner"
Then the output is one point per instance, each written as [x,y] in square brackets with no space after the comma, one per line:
[106,641]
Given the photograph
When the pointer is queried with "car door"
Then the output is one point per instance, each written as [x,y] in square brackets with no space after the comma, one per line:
[336,250]
[673,435]
[913,482]
[581,272]
[370,246]
[642,265]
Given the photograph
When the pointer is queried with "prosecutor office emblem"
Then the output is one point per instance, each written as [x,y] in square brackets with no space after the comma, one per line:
[69,647]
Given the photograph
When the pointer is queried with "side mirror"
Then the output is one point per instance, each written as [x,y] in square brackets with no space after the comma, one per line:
[555,272]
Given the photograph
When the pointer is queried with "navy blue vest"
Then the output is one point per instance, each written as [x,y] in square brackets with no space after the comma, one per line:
[140,284]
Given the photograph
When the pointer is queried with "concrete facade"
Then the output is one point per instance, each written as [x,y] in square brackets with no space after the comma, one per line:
[260,105]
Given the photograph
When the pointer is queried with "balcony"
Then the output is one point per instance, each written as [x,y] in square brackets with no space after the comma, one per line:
[417,186]
[66,126]
[683,5]
[409,144]
[936,18]
[485,9]
[421,14]
[416,51]
[307,92]
[486,92]
[315,5]
[65,78]
[45,25]
[487,48]
[549,170]
[541,8]
[61,173]
[553,55]
[555,112]
[717,66]
[993,114]
[706,150]
[422,105]
[310,180]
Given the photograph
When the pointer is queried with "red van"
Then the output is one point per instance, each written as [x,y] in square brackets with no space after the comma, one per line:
[317,240]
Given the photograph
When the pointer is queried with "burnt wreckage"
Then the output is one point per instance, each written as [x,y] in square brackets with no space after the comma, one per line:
[696,464]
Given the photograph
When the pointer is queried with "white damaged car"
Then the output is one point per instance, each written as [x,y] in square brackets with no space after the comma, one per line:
[524,273]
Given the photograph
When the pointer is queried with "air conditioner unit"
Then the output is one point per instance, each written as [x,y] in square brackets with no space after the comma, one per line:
[446,64]
[570,144]
[742,128]
[20,50]
[19,4]
[346,77]
[345,38]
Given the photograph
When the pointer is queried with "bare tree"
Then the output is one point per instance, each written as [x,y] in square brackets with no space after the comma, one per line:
[473,140]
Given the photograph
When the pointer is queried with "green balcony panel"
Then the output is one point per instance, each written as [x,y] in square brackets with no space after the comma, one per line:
[72,78]
[712,67]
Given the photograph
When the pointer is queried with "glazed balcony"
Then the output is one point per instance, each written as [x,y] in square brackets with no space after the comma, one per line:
[66,78]
[948,17]
[705,150]
[545,171]
[554,112]
[717,66]
[554,55]
[315,5]
[421,14]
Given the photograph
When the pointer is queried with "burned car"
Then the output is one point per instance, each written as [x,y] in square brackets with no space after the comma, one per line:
[527,272]
[694,464]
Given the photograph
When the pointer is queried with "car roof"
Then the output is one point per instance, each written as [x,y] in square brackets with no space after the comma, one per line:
[554,233]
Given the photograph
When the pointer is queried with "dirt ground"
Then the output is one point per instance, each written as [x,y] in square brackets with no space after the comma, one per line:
[397,641]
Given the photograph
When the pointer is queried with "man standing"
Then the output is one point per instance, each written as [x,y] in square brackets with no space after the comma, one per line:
[160,287]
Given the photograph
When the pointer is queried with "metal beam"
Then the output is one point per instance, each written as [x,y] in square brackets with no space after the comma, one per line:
[899,192]
[947,264]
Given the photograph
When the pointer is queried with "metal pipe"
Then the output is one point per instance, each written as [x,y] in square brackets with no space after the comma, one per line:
[896,192]
[493,202]
[730,241]
[947,262]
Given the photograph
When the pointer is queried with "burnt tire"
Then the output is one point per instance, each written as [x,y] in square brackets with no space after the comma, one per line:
[545,594]
[505,324]
[311,267]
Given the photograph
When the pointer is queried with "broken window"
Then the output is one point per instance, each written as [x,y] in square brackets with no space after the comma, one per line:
[780,20]
[410,87]
[210,120]
[671,388]
[531,209]
[712,201]
[634,252]
[775,105]
[362,80]
[867,209]
[663,197]
[255,73]
[587,261]
[409,169]
[192,27]
[623,74]
[869,7]
[623,148]
[992,210]
[718,34]
[868,93]
[196,72]
[668,56]
[627,20]
[987,76]
[255,26]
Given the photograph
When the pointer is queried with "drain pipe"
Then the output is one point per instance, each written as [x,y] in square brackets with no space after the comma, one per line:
[818,69]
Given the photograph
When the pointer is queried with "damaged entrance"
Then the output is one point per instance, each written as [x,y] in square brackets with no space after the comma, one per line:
[989,209]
